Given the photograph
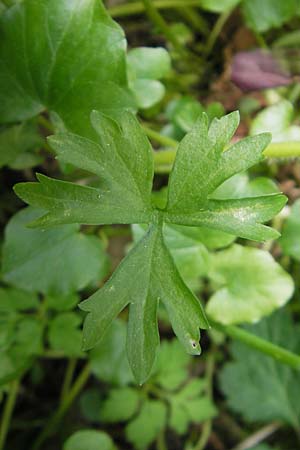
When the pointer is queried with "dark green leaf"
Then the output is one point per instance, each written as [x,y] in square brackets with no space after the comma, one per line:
[76,64]
[146,275]
[262,16]
[268,389]
[146,427]
[64,334]
[35,260]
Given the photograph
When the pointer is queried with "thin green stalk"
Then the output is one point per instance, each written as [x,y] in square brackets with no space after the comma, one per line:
[63,408]
[222,19]
[159,138]
[280,354]
[207,426]
[161,441]
[68,378]
[288,149]
[294,93]
[194,18]
[161,24]
[128,9]
[8,411]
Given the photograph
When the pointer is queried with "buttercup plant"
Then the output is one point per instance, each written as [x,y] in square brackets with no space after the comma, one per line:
[122,157]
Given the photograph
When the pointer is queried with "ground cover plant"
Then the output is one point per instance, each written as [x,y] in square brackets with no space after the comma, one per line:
[150,227]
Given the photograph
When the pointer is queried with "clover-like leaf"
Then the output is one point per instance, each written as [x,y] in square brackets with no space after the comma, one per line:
[252,286]
[89,439]
[122,157]
[66,56]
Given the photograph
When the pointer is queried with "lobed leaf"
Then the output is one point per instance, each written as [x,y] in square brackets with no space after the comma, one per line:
[240,217]
[201,165]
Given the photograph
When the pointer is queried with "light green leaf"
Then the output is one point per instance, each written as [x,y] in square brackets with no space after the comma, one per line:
[108,358]
[20,341]
[90,404]
[201,165]
[171,367]
[64,334]
[62,303]
[149,63]
[189,405]
[240,186]
[277,119]
[89,440]
[146,427]
[77,63]
[122,158]
[239,217]
[290,240]
[147,92]
[252,286]
[147,274]
[272,13]
[16,140]
[120,405]
[12,299]
[268,390]
[184,112]
[47,254]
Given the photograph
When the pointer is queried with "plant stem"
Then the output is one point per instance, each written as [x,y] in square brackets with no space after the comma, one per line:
[68,378]
[161,24]
[257,437]
[160,441]
[280,354]
[207,426]
[63,408]
[288,149]
[8,411]
[128,9]
[222,19]
[160,138]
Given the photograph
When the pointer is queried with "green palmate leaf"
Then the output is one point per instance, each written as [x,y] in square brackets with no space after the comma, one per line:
[146,275]
[20,341]
[122,157]
[17,300]
[171,367]
[150,421]
[270,390]
[47,255]
[127,177]
[76,64]
[251,286]
[290,241]
[64,334]
[189,405]
[89,440]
